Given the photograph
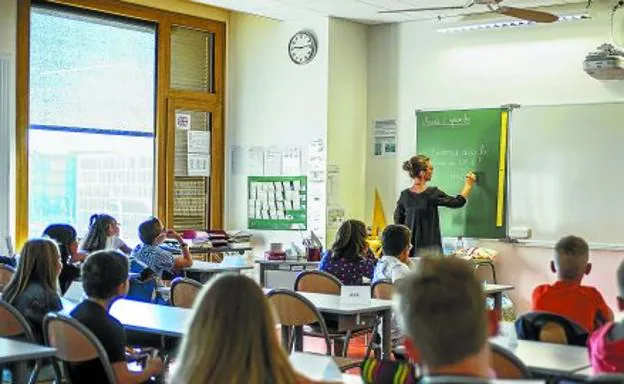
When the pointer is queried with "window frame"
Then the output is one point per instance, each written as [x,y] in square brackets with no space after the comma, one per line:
[165,21]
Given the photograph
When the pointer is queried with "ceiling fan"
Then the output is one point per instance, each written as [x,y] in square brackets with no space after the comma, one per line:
[493,6]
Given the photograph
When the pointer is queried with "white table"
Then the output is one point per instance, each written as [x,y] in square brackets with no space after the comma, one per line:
[350,313]
[12,351]
[145,317]
[548,358]
[205,269]
[496,291]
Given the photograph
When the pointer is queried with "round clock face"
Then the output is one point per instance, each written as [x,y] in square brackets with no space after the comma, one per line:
[302,47]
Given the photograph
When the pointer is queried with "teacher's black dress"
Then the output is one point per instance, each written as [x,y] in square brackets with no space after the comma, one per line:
[419,212]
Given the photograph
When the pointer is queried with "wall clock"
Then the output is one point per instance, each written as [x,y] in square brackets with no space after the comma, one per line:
[302,47]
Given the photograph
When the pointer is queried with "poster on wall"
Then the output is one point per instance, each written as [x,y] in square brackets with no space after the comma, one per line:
[384,138]
[277,203]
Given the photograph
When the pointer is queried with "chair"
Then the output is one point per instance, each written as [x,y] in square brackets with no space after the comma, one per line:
[294,310]
[382,289]
[551,328]
[507,365]
[6,274]
[318,282]
[323,282]
[484,271]
[183,292]
[14,325]
[74,343]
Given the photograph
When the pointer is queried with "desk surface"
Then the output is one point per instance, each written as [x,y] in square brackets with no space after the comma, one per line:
[13,351]
[206,267]
[146,317]
[549,358]
[332,304]
[287,262]
[497,288]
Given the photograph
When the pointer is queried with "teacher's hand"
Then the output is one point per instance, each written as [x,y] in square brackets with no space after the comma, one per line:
[471,178]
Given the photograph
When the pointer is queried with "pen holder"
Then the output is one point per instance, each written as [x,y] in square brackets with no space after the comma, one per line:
[313,254]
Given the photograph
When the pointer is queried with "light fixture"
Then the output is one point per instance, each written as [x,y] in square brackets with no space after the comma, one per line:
[512,23]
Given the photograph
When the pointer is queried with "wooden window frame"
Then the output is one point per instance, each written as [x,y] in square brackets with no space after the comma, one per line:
[164,179]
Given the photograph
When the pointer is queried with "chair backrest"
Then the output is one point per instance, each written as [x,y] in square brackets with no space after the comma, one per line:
[507,365]
[553,332]
[183,292]
[6,274]
[292,309]
[382,289]
[13,324]
[74,342]
[485,272]
[318,282]
[550,327]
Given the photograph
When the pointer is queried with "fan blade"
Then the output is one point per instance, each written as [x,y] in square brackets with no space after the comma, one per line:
[454,8]
[528,14]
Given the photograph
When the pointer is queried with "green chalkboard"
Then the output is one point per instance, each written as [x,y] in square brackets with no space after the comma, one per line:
[277,203]
[460,141]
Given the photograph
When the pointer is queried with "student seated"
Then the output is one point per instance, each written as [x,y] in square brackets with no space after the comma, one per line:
[232,338]
[152,234]
[606,345]
[65,237]
[33,290]
[567,297]
[441,310]
[105,278]
[395,262]
[348,258]
[104,235]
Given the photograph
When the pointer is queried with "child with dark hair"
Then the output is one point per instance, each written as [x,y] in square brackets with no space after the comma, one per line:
[152,234]
[567,297]
[395,262]
[65,237]
[104,235]
[104,279]
[348,258]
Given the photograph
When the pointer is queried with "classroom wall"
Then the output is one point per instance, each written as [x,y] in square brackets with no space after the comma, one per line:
[534,65]
[272,102]
[8,25]
[347,119]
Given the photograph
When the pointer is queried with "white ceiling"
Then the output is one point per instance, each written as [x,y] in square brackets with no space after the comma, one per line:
[365,11]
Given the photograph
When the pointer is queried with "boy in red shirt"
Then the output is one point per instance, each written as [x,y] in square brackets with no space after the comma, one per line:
[606,345]
[567,297]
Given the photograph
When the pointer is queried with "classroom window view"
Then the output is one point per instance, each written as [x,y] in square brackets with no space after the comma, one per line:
[91,134]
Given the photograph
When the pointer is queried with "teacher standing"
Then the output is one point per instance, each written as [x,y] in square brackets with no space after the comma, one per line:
[417,207]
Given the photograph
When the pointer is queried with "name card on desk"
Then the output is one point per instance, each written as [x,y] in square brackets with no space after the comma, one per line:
[355,294]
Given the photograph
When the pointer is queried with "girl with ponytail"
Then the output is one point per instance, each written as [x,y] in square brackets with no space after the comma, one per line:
[104,235]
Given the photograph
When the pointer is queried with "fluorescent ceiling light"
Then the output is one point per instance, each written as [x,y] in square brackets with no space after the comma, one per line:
[507,24]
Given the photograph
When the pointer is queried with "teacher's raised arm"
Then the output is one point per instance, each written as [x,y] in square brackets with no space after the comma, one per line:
[417,207]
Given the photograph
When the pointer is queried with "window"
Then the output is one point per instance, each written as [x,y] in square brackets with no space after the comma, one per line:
[92,119]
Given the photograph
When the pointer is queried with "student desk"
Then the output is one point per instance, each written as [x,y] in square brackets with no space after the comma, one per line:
[548,358]
[146,317]
[496,291]
[203,270]
[282,274]
[207,252]
[12,351]
[350,316]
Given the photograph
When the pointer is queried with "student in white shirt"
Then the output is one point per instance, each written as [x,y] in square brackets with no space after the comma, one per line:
[395,262]
[103,235]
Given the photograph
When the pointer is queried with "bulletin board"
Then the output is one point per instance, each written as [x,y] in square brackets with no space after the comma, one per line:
[277,203]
